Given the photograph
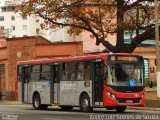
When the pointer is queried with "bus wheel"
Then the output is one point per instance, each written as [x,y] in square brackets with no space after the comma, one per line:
[66,108]
[120,109]
[85,104]
[37,103]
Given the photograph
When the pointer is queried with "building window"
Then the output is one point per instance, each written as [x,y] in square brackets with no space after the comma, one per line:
[25,35]
[1,18]
[13,36]
[2,27]
[24,27]
[13,27]
[8,8]
[37,30]
[12,17]
[24,17]
[4,9]
[37,20]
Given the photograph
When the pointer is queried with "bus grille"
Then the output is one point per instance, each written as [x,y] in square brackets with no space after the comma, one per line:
[123,100]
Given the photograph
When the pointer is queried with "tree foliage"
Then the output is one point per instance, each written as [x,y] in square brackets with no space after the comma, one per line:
[99,17]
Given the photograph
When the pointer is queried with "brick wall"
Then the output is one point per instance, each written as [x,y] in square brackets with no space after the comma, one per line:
[58,49]
[29,48]
[3,53]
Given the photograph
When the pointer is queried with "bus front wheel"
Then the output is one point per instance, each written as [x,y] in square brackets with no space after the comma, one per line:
[37,103]
[85,103]
[120,109]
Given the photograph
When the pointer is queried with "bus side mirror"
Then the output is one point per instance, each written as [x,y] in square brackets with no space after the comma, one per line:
[150,84]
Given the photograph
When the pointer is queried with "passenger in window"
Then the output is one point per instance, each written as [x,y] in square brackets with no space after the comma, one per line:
[80,70]
[79,76]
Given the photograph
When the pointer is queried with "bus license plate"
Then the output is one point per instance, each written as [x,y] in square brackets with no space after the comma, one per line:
[129,101]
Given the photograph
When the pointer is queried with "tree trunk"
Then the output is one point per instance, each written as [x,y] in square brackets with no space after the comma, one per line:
[120,30]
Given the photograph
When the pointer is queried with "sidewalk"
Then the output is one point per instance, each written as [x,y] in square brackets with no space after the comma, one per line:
[152,102]
[10,103]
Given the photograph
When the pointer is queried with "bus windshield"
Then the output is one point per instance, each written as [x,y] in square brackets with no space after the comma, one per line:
[123,74]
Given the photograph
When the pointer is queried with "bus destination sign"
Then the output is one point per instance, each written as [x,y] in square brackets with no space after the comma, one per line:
[124,58]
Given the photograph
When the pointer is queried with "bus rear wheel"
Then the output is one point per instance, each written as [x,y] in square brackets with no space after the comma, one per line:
[120,109]
[85,103]
[37,103]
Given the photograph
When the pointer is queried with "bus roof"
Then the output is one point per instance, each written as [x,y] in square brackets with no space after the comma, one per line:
[71,58]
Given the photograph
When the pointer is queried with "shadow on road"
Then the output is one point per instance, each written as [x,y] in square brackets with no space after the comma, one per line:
[76,110]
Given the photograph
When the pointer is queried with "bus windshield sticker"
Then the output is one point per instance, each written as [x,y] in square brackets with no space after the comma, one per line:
[131,82]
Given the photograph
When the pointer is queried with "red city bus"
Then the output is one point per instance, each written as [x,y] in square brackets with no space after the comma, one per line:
[91,81]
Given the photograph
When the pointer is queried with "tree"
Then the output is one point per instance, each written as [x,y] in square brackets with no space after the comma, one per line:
[99,17]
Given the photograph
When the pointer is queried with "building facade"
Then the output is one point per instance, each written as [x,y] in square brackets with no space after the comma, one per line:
[28,48]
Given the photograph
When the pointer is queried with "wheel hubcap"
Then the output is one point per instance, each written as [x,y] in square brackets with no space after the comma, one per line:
[36,102]
[85,103]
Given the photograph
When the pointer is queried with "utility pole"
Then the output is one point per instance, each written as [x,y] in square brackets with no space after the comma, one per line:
[157,47]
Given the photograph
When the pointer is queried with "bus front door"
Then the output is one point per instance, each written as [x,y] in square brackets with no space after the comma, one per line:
[25,83]
[98,84]
[55,84]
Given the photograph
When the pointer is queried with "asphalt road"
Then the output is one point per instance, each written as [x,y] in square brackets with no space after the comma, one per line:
[26,112]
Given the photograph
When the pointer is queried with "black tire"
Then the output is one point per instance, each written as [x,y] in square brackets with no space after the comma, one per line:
[66,108]
[120,109]
[85,103]
[109,108]
[44,107]
[37,103]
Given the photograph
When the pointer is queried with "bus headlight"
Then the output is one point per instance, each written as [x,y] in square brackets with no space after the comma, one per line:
[111,95]
[142,96]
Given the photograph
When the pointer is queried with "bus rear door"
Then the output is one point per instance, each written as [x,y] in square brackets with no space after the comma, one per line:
[55,89]
[25,83]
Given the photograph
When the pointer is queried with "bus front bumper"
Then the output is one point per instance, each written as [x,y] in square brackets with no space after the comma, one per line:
[123,99]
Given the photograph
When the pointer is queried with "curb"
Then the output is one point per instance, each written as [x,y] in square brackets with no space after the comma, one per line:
[10,103]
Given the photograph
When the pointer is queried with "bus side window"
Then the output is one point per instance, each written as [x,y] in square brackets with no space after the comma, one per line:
[83,70]
[45,72]
[64,73]
[87,70]
[80,71]
[35,72]
[68,71]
